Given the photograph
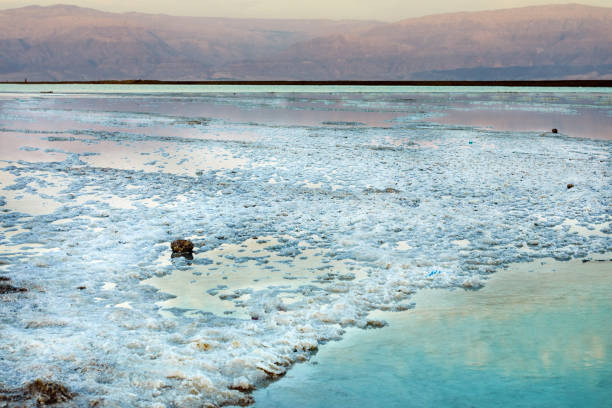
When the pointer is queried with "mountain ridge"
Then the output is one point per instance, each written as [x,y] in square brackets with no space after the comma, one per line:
[62,42]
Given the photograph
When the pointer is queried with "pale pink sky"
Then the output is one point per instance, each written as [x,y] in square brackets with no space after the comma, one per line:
[387,10]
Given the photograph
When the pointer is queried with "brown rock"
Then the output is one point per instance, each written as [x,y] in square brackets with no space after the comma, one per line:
[47,392]
[182,246]
[5,288]
[242,401]
[242,388]
[375,324]
[40,392]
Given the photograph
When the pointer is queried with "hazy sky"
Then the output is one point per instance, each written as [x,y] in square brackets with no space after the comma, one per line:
[388,10]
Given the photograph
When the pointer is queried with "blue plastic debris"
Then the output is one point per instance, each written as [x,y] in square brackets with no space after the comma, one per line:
[434,272]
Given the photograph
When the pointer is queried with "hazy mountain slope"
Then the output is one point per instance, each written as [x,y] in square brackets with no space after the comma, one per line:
[520,43]
[67,42]
[72,43]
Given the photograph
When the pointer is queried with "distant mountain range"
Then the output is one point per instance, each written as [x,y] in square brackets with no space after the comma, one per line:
[60,43]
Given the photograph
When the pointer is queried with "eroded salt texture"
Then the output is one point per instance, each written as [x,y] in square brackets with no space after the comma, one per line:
[353,217]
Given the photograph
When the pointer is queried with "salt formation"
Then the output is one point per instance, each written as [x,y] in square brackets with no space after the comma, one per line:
[358,218]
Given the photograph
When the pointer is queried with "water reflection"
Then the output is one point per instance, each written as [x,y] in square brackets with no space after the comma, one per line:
[587,123]
[536,335]
[220,279]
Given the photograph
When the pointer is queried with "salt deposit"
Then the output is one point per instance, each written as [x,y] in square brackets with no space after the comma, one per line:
[300,231]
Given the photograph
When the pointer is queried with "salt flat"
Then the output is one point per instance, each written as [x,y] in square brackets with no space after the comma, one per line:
[309,211]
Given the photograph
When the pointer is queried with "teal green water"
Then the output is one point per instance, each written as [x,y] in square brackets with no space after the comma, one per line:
[146,89]
[535,336]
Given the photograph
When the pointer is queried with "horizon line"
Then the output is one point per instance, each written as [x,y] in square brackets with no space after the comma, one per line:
[584,83]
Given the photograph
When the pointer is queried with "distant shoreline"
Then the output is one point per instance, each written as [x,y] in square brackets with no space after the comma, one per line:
[549,83]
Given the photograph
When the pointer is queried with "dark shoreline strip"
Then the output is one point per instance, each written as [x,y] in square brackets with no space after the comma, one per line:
[551,83]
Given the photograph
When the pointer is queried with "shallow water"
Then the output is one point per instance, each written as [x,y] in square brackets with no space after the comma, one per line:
[537,335]
[204,89]
[591,123]
[222,279]
[357,199]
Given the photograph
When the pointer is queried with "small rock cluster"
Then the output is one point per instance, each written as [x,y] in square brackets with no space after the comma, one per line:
[37,393]
[8,288]
[182,247]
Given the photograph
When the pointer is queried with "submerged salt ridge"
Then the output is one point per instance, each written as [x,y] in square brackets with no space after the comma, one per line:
[412,204]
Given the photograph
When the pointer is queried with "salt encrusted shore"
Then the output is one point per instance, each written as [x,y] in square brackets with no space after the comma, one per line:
[94,189]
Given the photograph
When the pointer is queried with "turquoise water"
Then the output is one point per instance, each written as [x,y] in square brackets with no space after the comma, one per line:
[146,89]
[535,336]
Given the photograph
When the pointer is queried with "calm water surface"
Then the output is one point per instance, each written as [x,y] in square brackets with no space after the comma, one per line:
[538,335]
[98,88]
